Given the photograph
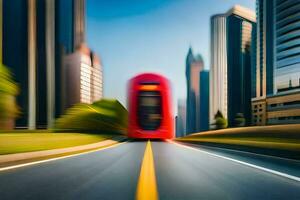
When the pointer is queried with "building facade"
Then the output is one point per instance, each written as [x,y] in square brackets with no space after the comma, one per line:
[218,69]
[287,51]
[82,78]
[194,64]
[283,108]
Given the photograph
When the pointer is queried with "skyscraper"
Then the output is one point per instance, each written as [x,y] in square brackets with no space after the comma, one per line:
[240,23]
[181,118]
[230,82]
[265,48]
[218,69]
[194,64]
[204,100]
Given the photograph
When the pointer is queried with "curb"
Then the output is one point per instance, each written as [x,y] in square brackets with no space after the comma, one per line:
[21,158]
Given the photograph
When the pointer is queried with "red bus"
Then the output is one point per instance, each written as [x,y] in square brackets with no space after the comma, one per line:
[150,108]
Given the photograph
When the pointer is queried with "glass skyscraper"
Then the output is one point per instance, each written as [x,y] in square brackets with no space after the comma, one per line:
[265,49]
[240,22]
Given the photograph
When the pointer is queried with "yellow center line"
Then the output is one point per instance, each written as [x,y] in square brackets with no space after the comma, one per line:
[147,188]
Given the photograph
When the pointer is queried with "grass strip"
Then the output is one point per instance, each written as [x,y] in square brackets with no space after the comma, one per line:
[277,139]
[28,142]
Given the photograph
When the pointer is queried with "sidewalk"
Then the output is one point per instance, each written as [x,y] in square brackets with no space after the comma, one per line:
[20,158]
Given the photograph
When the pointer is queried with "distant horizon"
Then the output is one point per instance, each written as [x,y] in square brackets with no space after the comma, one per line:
[133,37]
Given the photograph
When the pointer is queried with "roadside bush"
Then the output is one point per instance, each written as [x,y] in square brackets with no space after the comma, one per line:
[239,120]
[104,116]
[8,91]
[220,121]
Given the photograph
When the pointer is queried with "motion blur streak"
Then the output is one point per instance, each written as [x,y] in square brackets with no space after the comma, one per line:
[295,178]
[147,188]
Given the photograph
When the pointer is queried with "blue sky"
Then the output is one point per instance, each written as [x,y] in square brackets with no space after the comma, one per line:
[135,36]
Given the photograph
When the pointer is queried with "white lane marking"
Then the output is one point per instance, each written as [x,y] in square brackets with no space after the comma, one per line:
[295,178]
[58,158]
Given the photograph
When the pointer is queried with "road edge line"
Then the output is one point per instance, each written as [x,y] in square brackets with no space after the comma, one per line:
[239,151]
[60,157]
[291,177]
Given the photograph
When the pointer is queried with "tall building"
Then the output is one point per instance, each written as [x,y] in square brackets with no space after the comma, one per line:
[218,69]
[181,118]
[231,60]
[204,100]
[278,63]
[240,23]
[263,71]
[33,33]
[265,48]
[82,78]
[194,64]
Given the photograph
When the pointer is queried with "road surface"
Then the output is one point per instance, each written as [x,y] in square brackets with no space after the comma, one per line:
[180,172]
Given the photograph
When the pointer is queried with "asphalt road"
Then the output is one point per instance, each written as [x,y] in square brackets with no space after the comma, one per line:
[181,173]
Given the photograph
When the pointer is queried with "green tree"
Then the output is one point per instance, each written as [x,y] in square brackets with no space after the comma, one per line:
[220,120]
[8,92]
[239,120]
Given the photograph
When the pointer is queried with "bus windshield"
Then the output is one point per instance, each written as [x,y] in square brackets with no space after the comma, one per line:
[149,110]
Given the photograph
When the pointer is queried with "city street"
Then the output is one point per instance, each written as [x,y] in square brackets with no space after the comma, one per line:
[182,172]
[150,99]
